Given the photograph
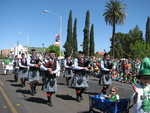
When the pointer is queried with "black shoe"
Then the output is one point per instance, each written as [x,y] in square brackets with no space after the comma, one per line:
[15,78]
[78,99]
[22,85]
[32,92]
[49,104]
[81,98]
[67,82]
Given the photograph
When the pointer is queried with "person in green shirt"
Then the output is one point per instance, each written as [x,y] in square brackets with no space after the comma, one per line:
[113,96]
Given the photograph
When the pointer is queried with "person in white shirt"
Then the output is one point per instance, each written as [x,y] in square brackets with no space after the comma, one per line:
[51,68]
[141,97]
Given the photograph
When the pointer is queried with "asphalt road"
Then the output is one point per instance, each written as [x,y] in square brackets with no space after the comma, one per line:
[64,100]
[3,105]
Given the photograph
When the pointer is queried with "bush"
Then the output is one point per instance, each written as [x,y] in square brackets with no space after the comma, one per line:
[54,48]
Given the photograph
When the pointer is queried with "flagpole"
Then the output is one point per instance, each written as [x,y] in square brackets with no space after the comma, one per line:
[60,34]
[60,25]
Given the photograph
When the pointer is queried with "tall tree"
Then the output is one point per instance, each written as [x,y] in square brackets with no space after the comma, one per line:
[114,14]
[86,34]
[147,35]
[124,42]
[140,49]
[136,34]
[92,43]
[75,43]
[121,45]
[69,41]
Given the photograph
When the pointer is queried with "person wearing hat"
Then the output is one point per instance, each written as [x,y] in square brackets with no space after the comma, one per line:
[51,68]
[33,63]
[141,97]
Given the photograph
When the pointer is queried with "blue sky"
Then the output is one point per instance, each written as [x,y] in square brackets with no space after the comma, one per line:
[20,20]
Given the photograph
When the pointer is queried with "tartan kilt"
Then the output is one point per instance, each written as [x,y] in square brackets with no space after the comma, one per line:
[80,81]
[68,73]
[23,73]
[34,75]
[105,79]
[50,84]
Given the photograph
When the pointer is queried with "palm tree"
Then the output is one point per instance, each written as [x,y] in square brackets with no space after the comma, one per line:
[114,14]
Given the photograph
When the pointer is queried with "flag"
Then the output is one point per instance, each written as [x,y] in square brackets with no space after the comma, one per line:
[57,36]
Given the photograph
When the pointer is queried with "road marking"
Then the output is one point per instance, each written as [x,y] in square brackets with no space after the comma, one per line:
[9,103]
[17,104]
[4,107]
[1,83]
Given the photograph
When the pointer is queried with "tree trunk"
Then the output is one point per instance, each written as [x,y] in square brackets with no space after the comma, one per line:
[113,37]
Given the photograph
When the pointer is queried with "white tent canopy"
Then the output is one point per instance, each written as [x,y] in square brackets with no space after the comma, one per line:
[18,50]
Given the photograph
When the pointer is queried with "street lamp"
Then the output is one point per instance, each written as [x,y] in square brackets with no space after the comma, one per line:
[43,48]
[60,24]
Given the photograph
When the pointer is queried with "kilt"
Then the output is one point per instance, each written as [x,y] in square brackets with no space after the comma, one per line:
[68,73]
[105,79]
[23,73]
[16,71]
[80,81]
[34,75]
[50,84]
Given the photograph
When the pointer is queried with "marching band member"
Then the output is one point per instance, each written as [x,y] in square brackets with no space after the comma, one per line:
[106,69]
[16,67]
[68,69]
[80,79]
[33,63]
[51,68]
[23,69]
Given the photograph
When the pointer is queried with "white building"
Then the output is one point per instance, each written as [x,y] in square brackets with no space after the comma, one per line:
[18,50]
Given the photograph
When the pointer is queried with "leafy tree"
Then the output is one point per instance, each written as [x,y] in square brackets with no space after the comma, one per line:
[136,34]
[140,49]
[54,48]
[114,14]
[123,42]
[121,45]
[86,34]
[92,44]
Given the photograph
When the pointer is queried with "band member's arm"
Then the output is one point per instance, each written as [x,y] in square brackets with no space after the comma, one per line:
[65,64]
[43,68]
[29,64]
[103,67]
[76,66]
[57,68]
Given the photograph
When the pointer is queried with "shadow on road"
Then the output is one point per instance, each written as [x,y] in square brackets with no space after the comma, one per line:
[23,91]
[91,93]
[36,100]
[16,85]
[11,80]
[61,84]
[89,112]
[66,97]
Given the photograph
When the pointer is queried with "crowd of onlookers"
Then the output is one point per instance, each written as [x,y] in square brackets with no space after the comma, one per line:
[123,70]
